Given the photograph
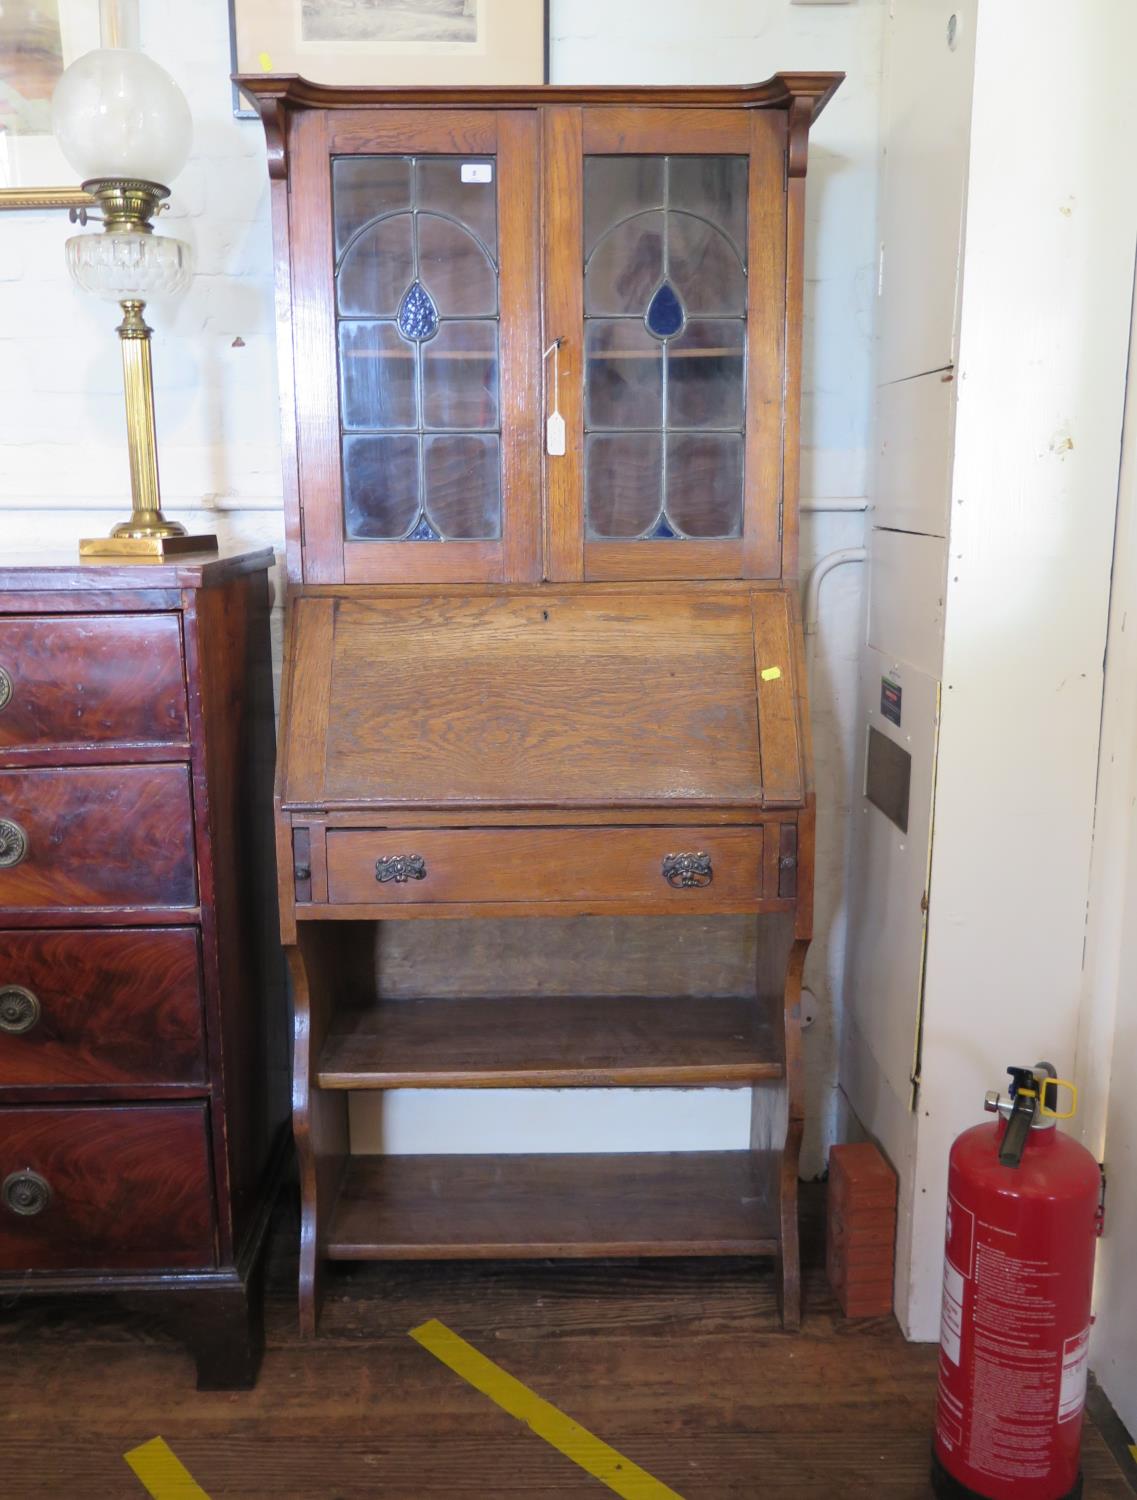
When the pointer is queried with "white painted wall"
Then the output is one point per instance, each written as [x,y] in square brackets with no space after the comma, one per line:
[63,467]
[1043,328]
[925,132]
[1107,1040]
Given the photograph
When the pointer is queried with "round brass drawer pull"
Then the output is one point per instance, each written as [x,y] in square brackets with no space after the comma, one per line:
[26,1193]
[13,843]
[5,689]
[19,1009]
[685,870]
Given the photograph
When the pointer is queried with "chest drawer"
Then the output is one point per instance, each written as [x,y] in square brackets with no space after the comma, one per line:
[95,681]
[116,1188]
[100,1007]
[669,868]
[95,837]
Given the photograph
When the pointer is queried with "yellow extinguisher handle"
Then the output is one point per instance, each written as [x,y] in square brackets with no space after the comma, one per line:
[1056,1084]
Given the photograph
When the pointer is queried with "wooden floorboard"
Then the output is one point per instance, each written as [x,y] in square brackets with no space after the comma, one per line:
[679,1365]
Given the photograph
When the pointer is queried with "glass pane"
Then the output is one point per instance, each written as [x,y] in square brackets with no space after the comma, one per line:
[621,483]
[440,187]
[377,377]
[616,187]
[714,187]
[459,376]
[704,483]
[463,486]
[623,375]
[454,269]
[366,187]
[380,486]
[377,270]
[704,267]
[417,301]
[705,364]
[626,267]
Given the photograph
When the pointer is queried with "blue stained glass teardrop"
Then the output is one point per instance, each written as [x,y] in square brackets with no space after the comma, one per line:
[665,315]
[418,317]
[661,531]
[424,532]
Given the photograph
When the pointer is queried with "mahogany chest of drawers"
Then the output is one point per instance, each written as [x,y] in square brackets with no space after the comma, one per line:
[141,1104]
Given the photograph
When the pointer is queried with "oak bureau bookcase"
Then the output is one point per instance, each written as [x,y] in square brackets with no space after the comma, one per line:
[540,357]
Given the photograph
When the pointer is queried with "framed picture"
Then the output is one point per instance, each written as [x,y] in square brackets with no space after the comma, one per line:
[38,38]
[392,41]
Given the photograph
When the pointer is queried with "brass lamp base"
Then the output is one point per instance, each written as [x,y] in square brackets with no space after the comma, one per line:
[142,549]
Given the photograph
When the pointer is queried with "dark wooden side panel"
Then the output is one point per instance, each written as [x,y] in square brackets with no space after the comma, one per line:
[228,655]
[100,836]
[111,1007]
[129,1188]
[77,682]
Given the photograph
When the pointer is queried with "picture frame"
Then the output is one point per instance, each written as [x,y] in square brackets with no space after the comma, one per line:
[391,41]
[38,39]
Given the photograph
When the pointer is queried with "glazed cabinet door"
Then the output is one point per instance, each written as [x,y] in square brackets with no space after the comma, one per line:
[665,282]
[416,344]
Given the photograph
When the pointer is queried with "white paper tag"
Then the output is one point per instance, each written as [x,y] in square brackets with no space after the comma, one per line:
[477,171]
[555,435]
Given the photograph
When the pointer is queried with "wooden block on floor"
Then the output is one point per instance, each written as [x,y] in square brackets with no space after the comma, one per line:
[861,1229]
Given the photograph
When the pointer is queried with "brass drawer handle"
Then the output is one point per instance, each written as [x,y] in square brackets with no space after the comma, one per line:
[19,1009]
[13,843]
[400,868]
[5,689]
[683,870]
[26,1193]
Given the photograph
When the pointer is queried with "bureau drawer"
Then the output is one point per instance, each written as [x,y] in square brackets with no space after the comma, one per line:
[69,681]
[97,1188]
[100,1008]
[673,868]
[95,837]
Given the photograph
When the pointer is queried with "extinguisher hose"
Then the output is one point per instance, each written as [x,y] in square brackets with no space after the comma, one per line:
[1018,1129]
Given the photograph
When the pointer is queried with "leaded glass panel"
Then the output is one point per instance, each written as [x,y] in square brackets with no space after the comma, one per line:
[665,278]
[417,335]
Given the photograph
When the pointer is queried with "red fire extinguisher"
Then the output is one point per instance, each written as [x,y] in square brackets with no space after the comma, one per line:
[1023,1215]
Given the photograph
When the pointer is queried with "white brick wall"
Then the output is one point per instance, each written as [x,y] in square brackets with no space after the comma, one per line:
[63,470]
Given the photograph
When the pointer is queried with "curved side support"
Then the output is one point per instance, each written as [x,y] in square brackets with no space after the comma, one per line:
[319,1117]
[789,1262]
[274,118]
[800,119]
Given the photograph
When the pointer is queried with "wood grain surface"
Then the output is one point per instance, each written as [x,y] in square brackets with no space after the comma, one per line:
[117,1007]
[554,864]
[551,1043]
[681,1365]
[100,836]
[515,699]
[557,1207]
[129,1187]
[87,685]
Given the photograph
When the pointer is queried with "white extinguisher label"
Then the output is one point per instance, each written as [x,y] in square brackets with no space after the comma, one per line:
[951,1318]
[1072,1393]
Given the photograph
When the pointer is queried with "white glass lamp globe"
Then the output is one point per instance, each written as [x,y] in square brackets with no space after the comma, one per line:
[116,113]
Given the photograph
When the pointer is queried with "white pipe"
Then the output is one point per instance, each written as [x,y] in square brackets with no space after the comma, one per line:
[817,507]
[820,569]
[812,602]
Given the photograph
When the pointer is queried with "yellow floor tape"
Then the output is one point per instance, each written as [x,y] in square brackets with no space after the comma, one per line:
[163,1474]
[568,1437]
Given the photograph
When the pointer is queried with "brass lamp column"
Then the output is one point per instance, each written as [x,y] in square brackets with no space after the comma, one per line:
[125,125]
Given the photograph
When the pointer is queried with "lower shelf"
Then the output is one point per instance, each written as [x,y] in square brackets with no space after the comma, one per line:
[520,1207]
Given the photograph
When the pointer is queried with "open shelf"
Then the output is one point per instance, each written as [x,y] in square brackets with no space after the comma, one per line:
[564,1207]
[552,1043]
